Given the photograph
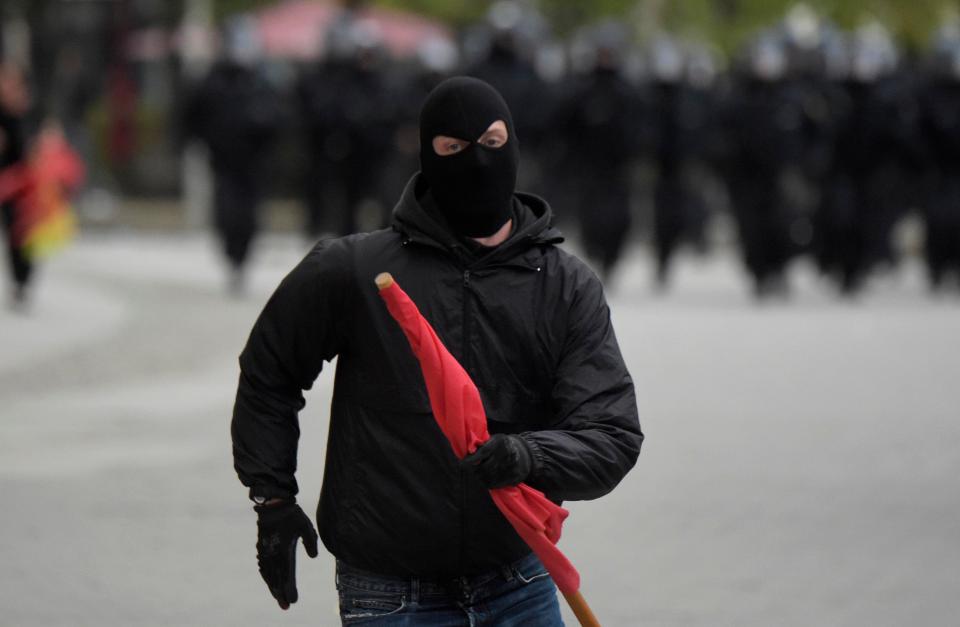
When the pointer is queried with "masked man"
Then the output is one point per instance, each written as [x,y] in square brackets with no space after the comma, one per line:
[416,537]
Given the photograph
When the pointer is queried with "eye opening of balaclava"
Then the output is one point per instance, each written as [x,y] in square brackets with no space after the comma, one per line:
[473,188]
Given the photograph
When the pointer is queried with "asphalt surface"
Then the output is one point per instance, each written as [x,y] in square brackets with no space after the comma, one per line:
[801,466]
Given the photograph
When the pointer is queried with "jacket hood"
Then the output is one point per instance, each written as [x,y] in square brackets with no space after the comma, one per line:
[534,224]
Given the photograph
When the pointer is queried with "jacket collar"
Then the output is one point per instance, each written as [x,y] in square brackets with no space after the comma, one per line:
[534,227]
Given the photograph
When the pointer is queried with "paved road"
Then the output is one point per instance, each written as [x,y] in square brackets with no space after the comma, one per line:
[801,464]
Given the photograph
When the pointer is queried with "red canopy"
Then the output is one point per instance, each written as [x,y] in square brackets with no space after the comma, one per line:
[298,28]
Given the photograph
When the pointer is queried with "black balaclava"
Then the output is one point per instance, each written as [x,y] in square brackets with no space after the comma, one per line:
[473,188]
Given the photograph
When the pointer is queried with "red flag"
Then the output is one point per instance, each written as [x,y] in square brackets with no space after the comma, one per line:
[459,411]
[38,188]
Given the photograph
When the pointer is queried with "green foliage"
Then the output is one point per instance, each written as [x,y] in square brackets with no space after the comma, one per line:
[225,8]
[453,12]
[726,23]
[732,21]
[567,15]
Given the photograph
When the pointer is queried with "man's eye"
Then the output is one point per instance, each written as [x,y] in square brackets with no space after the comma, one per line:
[494,142]
[445,146]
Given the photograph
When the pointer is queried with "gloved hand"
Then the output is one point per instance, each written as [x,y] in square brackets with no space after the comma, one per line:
[503,460]
[278,529]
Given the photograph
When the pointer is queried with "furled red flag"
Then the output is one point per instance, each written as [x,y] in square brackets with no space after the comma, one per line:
[458,410]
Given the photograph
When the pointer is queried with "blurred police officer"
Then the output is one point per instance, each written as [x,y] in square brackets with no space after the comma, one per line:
[941,125]
[237,113]
[601,116]
[875,145]
[682,133]
[349,114]
[409,85]
[765,138]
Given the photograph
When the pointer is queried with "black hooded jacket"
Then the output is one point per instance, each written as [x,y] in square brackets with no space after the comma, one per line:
[528,322]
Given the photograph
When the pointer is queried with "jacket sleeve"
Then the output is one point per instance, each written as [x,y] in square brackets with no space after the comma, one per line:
[596,437]
[301,326]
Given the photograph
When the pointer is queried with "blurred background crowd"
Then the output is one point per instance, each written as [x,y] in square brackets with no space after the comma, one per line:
[828,130]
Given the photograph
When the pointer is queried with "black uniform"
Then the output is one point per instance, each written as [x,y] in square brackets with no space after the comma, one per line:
[941,125]
[866,190]
[349,112]
[765,126]
[237,114]
[682,127]
[407,91]
[601,118]
[527,321]
[527,96]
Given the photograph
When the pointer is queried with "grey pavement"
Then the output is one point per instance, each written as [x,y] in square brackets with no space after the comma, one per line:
[800,469]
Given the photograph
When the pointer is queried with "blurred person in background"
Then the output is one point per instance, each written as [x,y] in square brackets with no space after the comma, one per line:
[682,127]
[941,127]
[808,39]
[14,106]
[555,158]
[237,114]
[528,322]
[509,67]
[601,115]
[349,114]
[875,148]
[765,138]
[75,88]
[435,60]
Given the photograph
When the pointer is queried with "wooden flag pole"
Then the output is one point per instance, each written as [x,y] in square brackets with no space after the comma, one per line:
[575,599]
[581,610]
[384,280]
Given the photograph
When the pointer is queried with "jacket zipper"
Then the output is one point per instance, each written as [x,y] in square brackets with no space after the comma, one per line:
[465,357]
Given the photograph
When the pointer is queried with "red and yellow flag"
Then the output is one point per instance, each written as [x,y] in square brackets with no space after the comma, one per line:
[39,188]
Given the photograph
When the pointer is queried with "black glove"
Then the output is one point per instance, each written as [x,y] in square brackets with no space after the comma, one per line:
[278,529]
[503,460]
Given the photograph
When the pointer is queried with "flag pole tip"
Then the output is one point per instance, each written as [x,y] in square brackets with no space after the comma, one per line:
[384,280]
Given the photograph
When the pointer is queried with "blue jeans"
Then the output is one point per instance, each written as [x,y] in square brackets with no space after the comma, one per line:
[521,594]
